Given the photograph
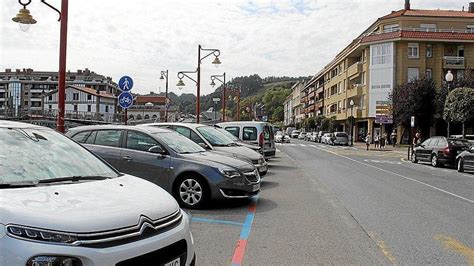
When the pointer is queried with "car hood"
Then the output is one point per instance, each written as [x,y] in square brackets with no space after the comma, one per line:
[239,152]
[218,159]
[109,204]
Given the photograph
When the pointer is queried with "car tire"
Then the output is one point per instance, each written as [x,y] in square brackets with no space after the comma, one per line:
[460,166]
[434,160]
[413,158]
[192,191]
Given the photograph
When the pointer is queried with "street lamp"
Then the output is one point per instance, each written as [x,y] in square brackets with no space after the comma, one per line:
[216,62]
[181,84]
[351,103]
[164,75]
[215,100]
[25,20]
[449,78]
[217,77]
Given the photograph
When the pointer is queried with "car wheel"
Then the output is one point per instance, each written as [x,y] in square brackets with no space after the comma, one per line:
[192,192]
[434,160]
[460,166]
[413,158]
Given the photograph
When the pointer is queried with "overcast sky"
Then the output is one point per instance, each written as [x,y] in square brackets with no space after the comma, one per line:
[141,37]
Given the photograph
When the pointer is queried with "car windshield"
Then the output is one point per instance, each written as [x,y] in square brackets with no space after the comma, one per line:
[37,154]
[228,134]
[178,143]
[214,136]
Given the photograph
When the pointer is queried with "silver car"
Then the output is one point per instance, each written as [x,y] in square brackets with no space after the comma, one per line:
[186,170]
[211,138]
[62,205]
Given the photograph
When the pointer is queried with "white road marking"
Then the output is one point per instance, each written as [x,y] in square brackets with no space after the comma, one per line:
[382,161]
[303,145]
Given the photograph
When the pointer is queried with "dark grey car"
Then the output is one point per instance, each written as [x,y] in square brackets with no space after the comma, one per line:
[186,170]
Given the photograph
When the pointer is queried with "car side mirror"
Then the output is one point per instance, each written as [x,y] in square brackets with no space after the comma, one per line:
[157,150]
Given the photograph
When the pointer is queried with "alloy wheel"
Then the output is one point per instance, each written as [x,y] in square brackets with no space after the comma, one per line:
[434,161]
[190,192]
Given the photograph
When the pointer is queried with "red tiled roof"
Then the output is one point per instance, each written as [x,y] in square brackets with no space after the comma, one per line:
[382,36]
[429,13]
[419,35]
[150,99]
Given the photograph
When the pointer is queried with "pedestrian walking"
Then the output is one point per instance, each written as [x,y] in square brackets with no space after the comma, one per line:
[393,138]
[377,141]
[383,141]
[417,139]
[368,140]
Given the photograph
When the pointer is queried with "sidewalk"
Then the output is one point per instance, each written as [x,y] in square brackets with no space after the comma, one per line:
[389,148]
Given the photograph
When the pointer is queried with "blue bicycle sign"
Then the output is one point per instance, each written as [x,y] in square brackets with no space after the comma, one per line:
[125,100]
[125,83]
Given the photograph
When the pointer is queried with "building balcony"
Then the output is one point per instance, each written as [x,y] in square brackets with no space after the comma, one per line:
[454,62]
[355,90]
[354,70]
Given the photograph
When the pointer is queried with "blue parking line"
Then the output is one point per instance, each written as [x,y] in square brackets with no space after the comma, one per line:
[204,220]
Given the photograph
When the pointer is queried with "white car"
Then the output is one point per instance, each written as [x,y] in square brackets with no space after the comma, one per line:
[62,205]
[302,135]
[280,137]
[326,138]
[295,134]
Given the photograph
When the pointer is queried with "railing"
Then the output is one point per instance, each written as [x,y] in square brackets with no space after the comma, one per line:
[69,115]
[451,30]
[354,69]
[453,62]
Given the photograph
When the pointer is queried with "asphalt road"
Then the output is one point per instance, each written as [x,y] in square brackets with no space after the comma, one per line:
[341,205]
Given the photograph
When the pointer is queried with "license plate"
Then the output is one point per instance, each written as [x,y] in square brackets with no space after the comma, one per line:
[256,187]
[175,262]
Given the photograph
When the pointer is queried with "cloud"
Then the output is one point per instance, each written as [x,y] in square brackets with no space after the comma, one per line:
[139,38]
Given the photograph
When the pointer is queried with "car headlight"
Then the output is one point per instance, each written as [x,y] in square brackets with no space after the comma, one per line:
[229,173]
[27,233]
[261,160]
[48,260]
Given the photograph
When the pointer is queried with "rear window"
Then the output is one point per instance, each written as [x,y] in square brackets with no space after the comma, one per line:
[250,133]
[459,142]
[233,130]
[341,135]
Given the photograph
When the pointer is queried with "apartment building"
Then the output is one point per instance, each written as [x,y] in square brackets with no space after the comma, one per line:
[294,106]
[403,45]
[22,90]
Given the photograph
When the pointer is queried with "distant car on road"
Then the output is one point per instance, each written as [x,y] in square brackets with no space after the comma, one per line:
[62,205]
[340,138]
[326,138]
[313,137]
[469,138]
[302,135]
[281,137]
[183,168]
[295,134]
[465,160]
[439,150]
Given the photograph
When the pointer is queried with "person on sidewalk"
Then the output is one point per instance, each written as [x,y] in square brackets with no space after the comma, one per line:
[368,140]
[393,138]
[377,141]
[383,141]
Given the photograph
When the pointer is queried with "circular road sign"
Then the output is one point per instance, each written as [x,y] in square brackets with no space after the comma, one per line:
[125,83]
[125,99]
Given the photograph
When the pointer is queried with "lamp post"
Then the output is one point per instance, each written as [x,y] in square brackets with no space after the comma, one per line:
[217,77]
[25,20]
[181,84]
[216,62]
[351,103]
[449,78]
[164,75]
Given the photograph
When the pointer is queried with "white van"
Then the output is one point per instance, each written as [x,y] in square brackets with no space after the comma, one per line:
[62,205]
[257,133]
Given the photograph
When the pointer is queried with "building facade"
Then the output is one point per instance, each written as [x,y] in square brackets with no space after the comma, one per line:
[151,107]
[22,90]
[293,105]
[399,47]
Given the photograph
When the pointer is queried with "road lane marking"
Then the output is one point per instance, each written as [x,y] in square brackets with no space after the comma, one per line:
[407,178]
[381,161]
[211,221]
[382,247]
[239,251]
[453,244]
[303,145]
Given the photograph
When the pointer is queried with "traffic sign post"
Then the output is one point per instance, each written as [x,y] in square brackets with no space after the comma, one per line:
[125,83]
[125,99]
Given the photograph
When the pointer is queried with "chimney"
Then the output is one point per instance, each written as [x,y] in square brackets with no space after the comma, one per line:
[471,7]
[407,4]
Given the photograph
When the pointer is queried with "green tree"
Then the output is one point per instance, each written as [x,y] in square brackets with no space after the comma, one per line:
[459,106]
[311,123]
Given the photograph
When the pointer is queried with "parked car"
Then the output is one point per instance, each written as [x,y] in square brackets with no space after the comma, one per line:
[341,138]
[239,141]
[302,135]
[62,205]
[439,150]
[312,136]
[212,139]
[465,160]
[259,133]
[320,136]
[469,138]
[295,134]
[166,158]
[281,137]
[326,138]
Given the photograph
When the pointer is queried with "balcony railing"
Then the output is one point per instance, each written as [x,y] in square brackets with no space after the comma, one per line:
[354,69]
[450,30]
[456,62]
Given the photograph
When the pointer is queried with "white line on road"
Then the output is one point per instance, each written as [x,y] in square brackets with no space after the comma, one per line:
[408,178]
[303,145]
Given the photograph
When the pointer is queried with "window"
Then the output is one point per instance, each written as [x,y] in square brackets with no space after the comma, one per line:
[107,109]
[249,133]
[89,97]
[429,73]
[344,104]
[50,97]
[428,27]
[139,141]
[413,50]
[50,107]
[89,108]
[91,138]
[413,73]
[362,78]
[470,29]
[108,138]
[429,50]
[391,28]
[196,138]
[75,108]
[233,130]
[184,131]
[362,101]
[339,88]
[75,96]
[381,54]
[81,136]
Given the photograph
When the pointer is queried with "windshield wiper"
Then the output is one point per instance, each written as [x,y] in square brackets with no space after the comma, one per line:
[73,179]
[19,184]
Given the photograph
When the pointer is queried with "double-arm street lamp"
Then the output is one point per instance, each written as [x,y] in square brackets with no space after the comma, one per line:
[217,77]
[216,62]
[164,75]
[25,20]
[236,99]
[449,78]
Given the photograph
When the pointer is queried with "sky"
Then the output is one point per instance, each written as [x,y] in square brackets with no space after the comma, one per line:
[140,38]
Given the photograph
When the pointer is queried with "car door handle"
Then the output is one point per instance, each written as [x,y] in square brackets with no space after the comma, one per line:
[127,158]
